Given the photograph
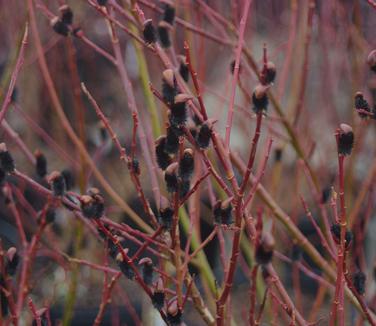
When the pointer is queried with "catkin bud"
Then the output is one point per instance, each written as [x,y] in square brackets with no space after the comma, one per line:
[345,139]
[149,32]
[171,178]
[69,178]
[2,176]
[265,249]
[260,99]
[163,158]
[361,104]
[371,60]
[12,261]
[222,211]
[174,313]
[66,14]
[124,266]
[179,110]
[336,233]
[183,68]
[359,281]
[172,140]
[169,12]
[204,135]
[57,183]
[325,194]
[270,72]
[40,164]
[134,166]
[6,160]
[147,270]
[164,34]
[186,164]
[166,214]
[92,204]
[184,187]
[59,26]
[278,154]
[169,86]
[158,297]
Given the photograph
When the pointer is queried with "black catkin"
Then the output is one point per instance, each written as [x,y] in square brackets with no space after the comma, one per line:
[371,60]
[124,266]
[92,204]
[147,270]
[169,86]
[174,314]
[204,135]
[171,178]
[222,212]
[178,109]
[12,261]
[325,194]
[361,104]
[260,99]
[165,216]
[149,32]
[270,73]
[345,139]
[186,164]
[163,158]
[278,154]
[2,176]
[169,14]
[183,68]
[184,188]
[40,164]
[66,14]
[158,297]
[164,34]
[265,249]
[6,160]
[359,281]
[336,233]
[172,140]
[59,26]
[57,183]
[69,178]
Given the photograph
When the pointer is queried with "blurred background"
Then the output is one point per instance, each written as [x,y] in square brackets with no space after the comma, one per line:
[320,59]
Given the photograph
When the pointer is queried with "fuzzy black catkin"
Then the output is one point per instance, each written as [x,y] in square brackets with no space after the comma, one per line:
[40,165]
[59,27]
[69,178]
[172,140]
[164,34]
[359,281]
[345,139]
[186,165]
[203,136]
[361,104]
[163,158]
[149,32]
[172,182]
[178,113]
[169,14]
[57,183]
[184,71]
[66,14]
[6,159]
[165,217]
[336,233]
[158,299]
[260,100]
